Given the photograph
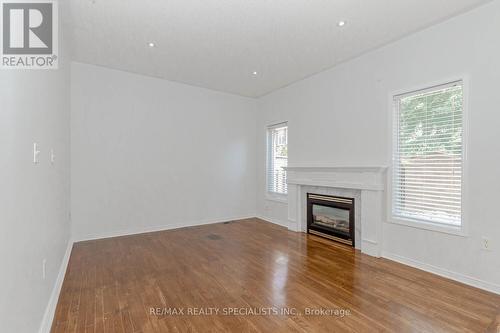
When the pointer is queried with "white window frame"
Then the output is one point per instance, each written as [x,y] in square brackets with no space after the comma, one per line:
[274,196]
[461,230]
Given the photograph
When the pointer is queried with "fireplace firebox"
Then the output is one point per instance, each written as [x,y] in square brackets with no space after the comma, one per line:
[331,217]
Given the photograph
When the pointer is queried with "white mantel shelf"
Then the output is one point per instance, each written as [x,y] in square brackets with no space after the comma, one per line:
[337,168]
[369,181]
[348,177]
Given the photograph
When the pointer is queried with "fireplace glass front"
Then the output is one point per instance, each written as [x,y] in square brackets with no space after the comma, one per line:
[331,217]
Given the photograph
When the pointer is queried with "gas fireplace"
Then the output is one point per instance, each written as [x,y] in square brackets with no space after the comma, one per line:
[331,217]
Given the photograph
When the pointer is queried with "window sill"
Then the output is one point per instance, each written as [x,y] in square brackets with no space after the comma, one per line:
[278,197]
[425,225]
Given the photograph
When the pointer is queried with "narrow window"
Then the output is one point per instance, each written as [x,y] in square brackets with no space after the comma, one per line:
[277,158]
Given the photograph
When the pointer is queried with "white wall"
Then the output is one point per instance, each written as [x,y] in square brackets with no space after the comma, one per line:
[34,199]
[149,154]
[341,117]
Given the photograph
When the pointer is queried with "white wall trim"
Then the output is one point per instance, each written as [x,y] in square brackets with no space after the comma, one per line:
[353,177]
[429,226]
[273,221]
[50,310]
[145,229]
[468,280]
[316,167]
[277,197]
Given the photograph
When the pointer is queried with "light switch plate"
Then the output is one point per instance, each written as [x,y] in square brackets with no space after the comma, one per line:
[485,244]
[44,269]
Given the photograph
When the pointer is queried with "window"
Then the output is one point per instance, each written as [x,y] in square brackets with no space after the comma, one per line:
[277,158]
[428,155]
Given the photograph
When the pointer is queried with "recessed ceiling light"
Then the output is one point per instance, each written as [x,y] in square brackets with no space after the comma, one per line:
[254,73]
[341,23]
[151,44]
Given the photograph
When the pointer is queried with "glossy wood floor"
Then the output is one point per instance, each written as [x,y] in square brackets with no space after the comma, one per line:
[112,284]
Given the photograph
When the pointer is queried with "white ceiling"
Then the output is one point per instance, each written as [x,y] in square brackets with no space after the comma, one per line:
[217,44]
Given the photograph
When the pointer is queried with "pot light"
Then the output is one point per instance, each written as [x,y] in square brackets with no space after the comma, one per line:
[151,44]
[254,73]
[341,23]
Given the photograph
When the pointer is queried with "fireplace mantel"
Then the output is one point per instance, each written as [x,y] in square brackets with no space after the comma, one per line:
[368,181]
[359,177]
[338,168]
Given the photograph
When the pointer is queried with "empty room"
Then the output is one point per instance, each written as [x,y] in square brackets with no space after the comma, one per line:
[249,166]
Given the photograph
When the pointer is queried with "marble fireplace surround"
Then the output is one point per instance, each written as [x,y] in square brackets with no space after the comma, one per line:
[365,184]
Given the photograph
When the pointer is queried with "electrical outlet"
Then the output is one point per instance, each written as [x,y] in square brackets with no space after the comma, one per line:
[52,156]
[36,152]
[44,270]
[485,244]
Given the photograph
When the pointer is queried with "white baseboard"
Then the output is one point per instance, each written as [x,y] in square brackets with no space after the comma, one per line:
[273,221]
[50,310]
[468,280]
[370,247]
[142,230]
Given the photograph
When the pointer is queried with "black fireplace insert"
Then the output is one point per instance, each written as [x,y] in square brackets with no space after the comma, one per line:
[331,217]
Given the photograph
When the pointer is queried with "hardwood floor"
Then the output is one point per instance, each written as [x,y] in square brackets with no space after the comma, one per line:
[246,267]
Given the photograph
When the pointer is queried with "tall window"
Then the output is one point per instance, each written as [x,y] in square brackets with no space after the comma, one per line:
[277,158]
[428,155]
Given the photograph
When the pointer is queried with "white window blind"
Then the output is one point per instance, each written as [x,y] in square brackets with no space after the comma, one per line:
[428,155]
[277,158]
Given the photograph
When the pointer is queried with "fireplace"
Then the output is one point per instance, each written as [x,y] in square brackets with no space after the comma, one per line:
[331,217]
